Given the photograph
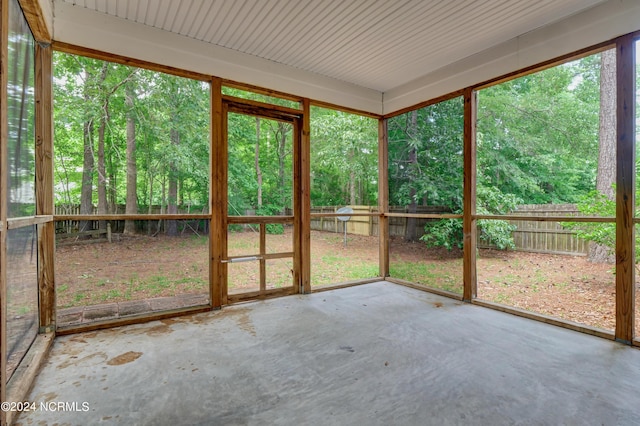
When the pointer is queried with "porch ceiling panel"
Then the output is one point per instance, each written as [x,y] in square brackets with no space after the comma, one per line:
[375,44]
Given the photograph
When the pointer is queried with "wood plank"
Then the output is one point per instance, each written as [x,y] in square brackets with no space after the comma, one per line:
[625,184]
[180,216]
[425,288]
[546,319]
[554,62]
[266,256]
[427,103]
[4,55]
[348,110]
[263,252]
[261,109]
[130,320]
[354,214]
[119,59]
[383,197]
[261,90]
[305,199]
[20,222]
[260,295]
[346,284]
[538,218]
[22,380]
[425,215]
[469,228]
[45,207]
[35,18]
[249,220]
[218,196]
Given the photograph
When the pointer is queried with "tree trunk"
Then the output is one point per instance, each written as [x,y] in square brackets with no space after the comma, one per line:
[172,202]
[606,175]
[132,173]
[86,191]
[282,153]
[102,174]
[411,233]
[257,163]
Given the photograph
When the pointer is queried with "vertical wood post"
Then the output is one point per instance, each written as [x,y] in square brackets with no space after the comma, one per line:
[44,186]
[383,197]
[218,199]
[625,184]
[4,35]
[263,262]
[305,199]
[469,205]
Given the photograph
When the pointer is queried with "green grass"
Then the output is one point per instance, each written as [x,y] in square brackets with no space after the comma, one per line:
[429,274]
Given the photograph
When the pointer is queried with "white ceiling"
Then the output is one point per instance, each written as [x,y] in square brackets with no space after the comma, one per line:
[375,44]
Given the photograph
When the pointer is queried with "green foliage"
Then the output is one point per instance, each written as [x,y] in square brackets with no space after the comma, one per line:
[596,203]
[344,158]
[425,156]
[271,210]
[538,134]
[90,94]
[448,232]
[445,233]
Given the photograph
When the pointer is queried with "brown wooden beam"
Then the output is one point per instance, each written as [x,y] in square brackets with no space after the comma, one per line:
[61,217]
[469,204]
[536,218]
[305,200]
[119,59]
[383,197]
[19,222]
[259,219]
[261,109]
[218,198]
[625,185]
[44,186]
[4,55]
[35,18]
[261,90]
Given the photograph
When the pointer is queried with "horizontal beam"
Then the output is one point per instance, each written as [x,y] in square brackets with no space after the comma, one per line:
[62,217]
[533,218]
[21,222]
[251,220]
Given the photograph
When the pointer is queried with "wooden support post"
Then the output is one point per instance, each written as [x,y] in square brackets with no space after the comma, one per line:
[263,262]
[44,186]
[4,36]
[304,222]
[469,204]
[383,197]
[218,197]
[625,184]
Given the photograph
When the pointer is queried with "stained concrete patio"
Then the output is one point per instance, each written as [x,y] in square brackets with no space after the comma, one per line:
[376,354]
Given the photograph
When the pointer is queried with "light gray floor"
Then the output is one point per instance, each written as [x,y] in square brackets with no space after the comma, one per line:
[376,354]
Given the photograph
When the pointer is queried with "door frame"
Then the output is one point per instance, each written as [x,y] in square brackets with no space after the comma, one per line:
[220,156]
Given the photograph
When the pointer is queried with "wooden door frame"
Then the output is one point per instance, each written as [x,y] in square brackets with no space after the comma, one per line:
[271,112]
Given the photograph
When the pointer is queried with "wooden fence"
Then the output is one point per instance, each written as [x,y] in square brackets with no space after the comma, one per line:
[547,237]
[359,225]
[368,225]
[531,236]
[73,228]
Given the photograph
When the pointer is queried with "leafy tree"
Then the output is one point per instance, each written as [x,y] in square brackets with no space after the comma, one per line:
[139,131]
[344,158]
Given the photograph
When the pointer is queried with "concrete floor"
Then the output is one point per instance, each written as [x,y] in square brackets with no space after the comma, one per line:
[375,354]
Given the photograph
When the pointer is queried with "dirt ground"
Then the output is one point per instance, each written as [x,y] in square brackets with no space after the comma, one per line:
[134,268]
